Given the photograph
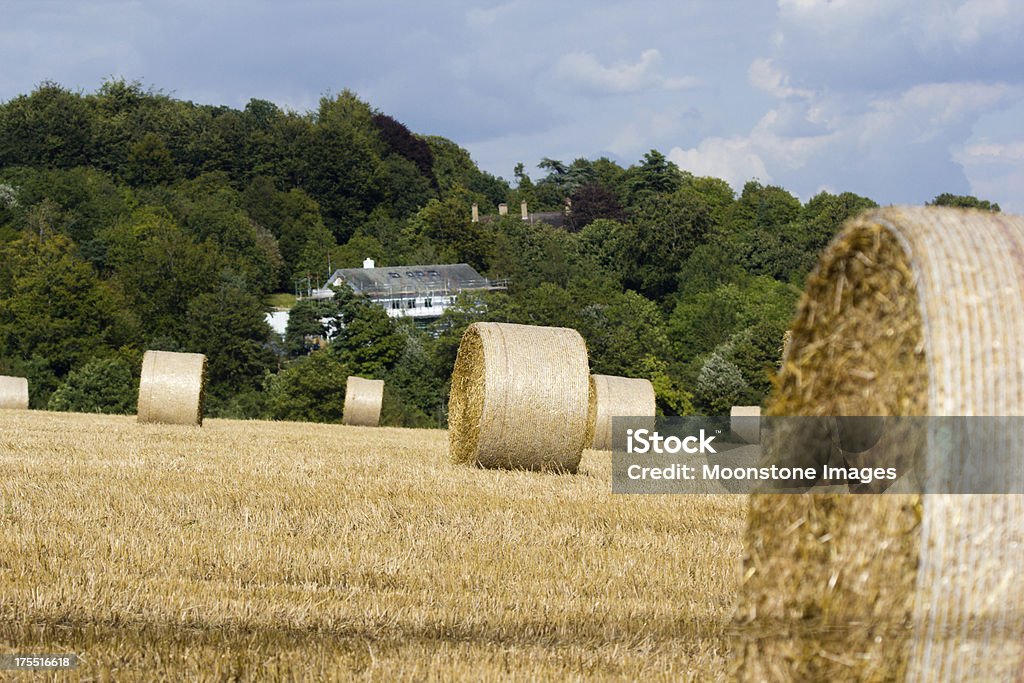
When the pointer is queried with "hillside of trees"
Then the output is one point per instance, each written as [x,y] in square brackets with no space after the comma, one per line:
[131,220]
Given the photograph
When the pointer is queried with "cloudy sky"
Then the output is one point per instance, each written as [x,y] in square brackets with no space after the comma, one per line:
[898,100]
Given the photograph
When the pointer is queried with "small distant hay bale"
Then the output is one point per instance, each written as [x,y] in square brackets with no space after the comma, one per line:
[519,398]
[13,393]
[745,423]
[910,311]
[172,388]
[363,400]
[612,396]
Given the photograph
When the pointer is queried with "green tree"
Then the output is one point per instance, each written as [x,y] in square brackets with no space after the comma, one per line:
[55,312]
[311,389]
[367,340]
[150,162]
[720,383]
[103,385]
[160,267]
[622,332]
[50,127]
[228,325]
[662,234]
[655,175]
[964,202]
[343,154]
[699,324]
[414,390]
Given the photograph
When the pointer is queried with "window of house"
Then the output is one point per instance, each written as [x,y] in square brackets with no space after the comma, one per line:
[412,303]
[394,275]
[428,303]
[394,303]
[434,273]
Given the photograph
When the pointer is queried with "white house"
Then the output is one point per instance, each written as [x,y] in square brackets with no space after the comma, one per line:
[410,291]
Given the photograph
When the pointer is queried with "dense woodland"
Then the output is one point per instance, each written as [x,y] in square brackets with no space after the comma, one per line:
[131,220]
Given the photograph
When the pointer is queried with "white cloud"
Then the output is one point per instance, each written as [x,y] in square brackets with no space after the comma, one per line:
[995,171]
[480,19]
[967,24]
[983,153]
[764,75]
[735,160]
[827,139]
[584,69]
[874,44]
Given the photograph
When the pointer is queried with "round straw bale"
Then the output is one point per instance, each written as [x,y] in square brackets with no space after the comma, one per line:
[616,397]
[745,422]
[519,398]
[172,388]
[363,399]
[13,393]
[911,311]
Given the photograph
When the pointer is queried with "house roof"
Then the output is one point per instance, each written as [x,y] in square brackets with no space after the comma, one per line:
[405,280]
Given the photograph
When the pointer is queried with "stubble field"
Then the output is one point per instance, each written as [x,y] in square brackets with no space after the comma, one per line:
[247,550]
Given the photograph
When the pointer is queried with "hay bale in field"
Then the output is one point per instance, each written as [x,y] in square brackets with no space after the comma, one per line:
[616,397]
[519,397]
[172,388]
[745,422]
[911,311]
[13,393]
[363,399]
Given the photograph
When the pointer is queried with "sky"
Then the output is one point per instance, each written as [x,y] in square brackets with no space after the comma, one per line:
[898,100]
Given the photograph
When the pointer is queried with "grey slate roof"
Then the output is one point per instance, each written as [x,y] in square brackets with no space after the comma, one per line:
[389,281]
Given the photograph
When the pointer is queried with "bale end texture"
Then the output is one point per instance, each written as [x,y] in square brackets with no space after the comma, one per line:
[172,388]
[519,398]
[363,400]
[612,396]
[911,311]
[13,393]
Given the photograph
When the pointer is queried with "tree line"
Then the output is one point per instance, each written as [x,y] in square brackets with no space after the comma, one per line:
[132,220]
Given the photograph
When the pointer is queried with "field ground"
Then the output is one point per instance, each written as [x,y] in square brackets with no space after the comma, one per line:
[298,551]
[281,300]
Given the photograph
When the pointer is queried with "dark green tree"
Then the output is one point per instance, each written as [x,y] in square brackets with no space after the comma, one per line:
[964,202]
[229,326]
[312,389]
[103,385]
[50,127]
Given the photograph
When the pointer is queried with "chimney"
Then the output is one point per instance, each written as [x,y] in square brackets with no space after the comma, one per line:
[502,209]
[476,213]
[523,210]
[368,263]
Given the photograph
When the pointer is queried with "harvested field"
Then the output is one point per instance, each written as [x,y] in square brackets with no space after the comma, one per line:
[284,550]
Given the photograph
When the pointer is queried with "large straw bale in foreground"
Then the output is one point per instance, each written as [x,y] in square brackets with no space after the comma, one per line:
[363,400]
[172,388]
[519,397]
[910,312]
[13,393]
[616,397]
